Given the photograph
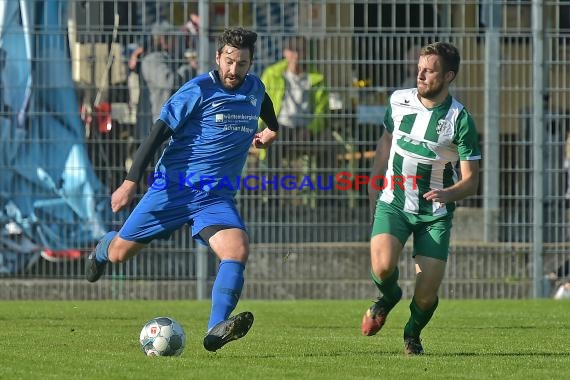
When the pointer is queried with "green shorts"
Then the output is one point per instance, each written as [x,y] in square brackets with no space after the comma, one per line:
[431,235]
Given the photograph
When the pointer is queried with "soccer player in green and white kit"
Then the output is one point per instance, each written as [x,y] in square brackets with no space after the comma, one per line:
[426,132]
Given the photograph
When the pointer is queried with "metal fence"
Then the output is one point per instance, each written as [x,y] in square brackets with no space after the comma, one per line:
[313,243]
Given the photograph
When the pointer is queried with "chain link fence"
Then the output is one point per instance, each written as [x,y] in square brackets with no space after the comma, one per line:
[309,239]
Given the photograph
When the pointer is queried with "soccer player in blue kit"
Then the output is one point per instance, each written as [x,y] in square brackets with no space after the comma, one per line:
[211,121]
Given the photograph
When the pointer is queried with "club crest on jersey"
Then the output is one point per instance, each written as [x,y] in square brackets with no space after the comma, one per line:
[253,100]
[444,127]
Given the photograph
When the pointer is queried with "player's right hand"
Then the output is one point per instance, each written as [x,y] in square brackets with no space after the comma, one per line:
[123,196]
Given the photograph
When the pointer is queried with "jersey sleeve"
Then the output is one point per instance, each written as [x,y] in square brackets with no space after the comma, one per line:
[181,105]
[388,121]
[467,138]
[267,114]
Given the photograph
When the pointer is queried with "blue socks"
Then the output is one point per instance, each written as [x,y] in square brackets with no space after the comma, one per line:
[101,251]
[226,291]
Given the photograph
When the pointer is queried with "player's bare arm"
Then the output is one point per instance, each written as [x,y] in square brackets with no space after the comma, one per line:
[264,138]
[465,187]
[379,166]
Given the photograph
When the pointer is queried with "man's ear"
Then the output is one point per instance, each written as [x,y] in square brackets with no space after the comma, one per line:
[450,76]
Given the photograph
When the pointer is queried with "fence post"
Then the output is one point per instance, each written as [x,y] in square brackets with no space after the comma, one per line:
[538,123]
[202,272]
[493,18]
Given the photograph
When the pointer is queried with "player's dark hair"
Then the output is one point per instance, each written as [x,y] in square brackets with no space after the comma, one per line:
[448,53]
[239,38]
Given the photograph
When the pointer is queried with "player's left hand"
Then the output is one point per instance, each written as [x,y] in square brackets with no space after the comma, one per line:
[263,139]
[437,196]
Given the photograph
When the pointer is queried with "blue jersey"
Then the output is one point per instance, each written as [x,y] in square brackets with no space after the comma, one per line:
[213,129]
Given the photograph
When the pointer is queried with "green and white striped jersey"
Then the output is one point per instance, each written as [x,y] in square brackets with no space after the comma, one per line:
[426,145]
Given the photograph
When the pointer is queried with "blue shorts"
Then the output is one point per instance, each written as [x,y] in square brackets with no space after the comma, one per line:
[160,212]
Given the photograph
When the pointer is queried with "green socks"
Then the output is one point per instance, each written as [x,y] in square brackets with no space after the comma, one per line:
[391,292]
[418,319]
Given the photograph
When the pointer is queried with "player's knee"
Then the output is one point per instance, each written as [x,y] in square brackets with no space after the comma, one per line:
[383,265]
[231,247]
[118,254]
[240,253]
[424,301]
[382,271]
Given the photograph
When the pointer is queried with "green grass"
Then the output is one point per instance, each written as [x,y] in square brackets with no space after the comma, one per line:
[289,340]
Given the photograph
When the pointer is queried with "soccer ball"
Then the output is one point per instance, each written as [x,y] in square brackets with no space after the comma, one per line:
[162,336]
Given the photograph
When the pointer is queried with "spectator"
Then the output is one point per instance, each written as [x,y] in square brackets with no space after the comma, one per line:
[301,102]
[298,92]
[192,28]
[148,12]
[158,66]
[189,69]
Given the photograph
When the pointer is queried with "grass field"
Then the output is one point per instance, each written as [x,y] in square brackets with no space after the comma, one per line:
[289,340]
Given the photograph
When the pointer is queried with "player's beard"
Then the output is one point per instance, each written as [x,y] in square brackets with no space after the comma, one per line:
[430,92]
[231,83]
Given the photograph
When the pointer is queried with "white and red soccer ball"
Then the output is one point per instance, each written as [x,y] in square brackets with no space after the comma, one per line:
[162,336]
